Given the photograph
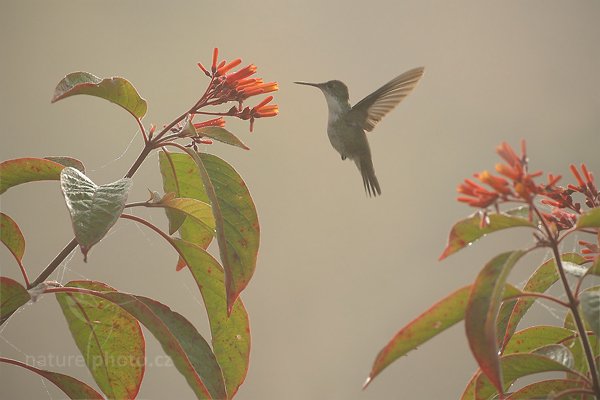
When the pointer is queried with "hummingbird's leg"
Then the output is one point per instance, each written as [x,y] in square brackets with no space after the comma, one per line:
[343,157]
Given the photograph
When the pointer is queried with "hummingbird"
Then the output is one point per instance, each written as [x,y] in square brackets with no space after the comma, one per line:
[346,125]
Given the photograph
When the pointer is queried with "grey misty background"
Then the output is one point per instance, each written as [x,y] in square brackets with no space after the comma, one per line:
[338,273]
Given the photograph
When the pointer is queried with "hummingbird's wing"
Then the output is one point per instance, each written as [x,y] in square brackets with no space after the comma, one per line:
[370,110]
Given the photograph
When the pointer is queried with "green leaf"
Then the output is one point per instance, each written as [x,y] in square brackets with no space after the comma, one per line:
[535,337]
[197,210]
[238,232]
[116,90]
[236,219]
[94,209]
[590,219]
[432,322]
[516,366]
[180,340]
[230,335]
[222,135]
[482,310]
[181,176]
[12,296]
[109,339]
[467,231]
[590,305]
[73,388]
[23,170]
[544,389]
[541,280]
[68,162]
[11,236]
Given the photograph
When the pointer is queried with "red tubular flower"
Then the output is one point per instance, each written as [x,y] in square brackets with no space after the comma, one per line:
[506,152]
[228,85]
[228,67]
[204,69]
[220,122]
[510,172]
[262,110]
[248,82]
[500,185]
[268,111]
[587,187]
[253,90]
[478,195]
[214,60]
[588,175]
[576,175]
[241,74]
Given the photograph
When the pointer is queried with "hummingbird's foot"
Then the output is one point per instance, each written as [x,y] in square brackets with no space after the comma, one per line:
[343,158]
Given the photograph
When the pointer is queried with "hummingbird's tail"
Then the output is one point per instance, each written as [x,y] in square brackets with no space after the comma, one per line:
[365,165]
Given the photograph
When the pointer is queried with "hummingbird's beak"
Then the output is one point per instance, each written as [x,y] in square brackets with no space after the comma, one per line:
[317,85]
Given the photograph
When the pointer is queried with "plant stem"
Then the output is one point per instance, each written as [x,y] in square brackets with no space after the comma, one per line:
[138,162]
[573,306]
[54,264]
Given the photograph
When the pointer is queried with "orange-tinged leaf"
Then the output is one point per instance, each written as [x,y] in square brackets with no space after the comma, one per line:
[181,176]
[515,366]
[467,231]
[482,309]
[73,388]
[432,322]
[23,170]
[544,389]
[195,209]
[180,340]
[236,219]
[238,232]
[12,296]
[222,135]
[230,334]
[11,236]
[116,90]
[531,338]
[68,162]
[109,339]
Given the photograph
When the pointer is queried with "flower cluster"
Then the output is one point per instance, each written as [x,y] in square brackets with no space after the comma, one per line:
[227,86]
[523,187]
[516,184]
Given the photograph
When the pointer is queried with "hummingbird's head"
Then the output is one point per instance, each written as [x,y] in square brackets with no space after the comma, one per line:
[334,89]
